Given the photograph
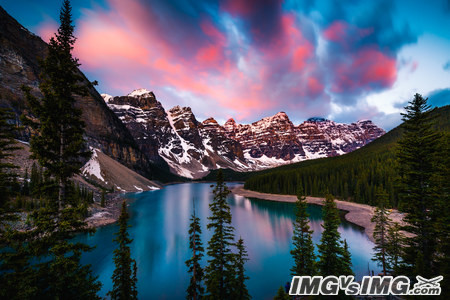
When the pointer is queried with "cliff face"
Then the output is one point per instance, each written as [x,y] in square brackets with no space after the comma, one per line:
[189,147]
[20,52]
[192,148]
[272,137]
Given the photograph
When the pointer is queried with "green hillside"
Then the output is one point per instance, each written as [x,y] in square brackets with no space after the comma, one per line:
[354,176]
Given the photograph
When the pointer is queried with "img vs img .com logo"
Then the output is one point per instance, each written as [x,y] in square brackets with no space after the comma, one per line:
[369,285]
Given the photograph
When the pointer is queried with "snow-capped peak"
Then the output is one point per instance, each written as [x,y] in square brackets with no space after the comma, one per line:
[139,92]
[107,97]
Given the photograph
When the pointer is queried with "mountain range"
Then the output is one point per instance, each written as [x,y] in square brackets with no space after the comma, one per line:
[192,148]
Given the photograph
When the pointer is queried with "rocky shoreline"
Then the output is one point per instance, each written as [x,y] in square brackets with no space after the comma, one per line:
[101,216]
[356,213]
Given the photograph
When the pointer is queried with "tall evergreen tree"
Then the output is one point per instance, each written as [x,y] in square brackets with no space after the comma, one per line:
[330,250]
[102,198]
[195,289]
[382,223]
[35,180]
[281,294]
[303,252]
[346,260]
[124,275]
[220,271]
[7,145]
[240,289]
[417,166]
[394,246]
[59,144]
[442,178]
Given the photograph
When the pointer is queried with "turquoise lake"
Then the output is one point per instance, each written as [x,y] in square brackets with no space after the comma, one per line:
[160,221]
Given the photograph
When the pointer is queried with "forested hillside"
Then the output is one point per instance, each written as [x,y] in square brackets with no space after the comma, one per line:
[354,176]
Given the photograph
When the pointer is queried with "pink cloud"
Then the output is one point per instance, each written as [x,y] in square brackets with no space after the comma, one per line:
[47,29]
[209,55]
[337,31]
[345,34]
[367,69]
[315,87]
[239,7]
[128,46]
[106,43]
[210,30]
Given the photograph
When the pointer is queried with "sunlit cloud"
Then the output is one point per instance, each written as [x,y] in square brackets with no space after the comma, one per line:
[250,59]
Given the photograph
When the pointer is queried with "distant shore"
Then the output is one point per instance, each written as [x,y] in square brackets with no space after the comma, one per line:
[356,213]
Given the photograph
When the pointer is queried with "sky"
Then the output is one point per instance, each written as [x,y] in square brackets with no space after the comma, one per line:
[344,60]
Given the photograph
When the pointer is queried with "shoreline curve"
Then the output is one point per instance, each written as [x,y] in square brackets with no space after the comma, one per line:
[356,213]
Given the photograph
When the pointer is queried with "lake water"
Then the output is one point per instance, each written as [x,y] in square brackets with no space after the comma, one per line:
[160,221]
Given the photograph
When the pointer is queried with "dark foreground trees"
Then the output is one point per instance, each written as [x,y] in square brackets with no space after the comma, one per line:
[59,144]
[7,145]
[303,252]
[240,288]
[334,257]
[42,262]
[224,275]
[195,289]
[125,274]
[382,223]
[220,271]
[423,192]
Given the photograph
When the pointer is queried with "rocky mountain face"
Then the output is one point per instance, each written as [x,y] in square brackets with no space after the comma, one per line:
[189,147]
[192,148]
[20,51]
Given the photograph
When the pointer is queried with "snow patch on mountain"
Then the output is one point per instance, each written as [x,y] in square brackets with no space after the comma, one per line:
[140,92]
[92,167]
[107,97]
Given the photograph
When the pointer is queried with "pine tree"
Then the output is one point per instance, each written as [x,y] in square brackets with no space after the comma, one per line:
[416,160]
[240,289]
[346,260]
[35,181]
[394,244]
[220,271]
[124,275]
[102,200]
[330,249]
[442,178]
[195,289]
[303,252]
[382,221]
[7,145]
[59,144]
[15,275]
[281,294]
